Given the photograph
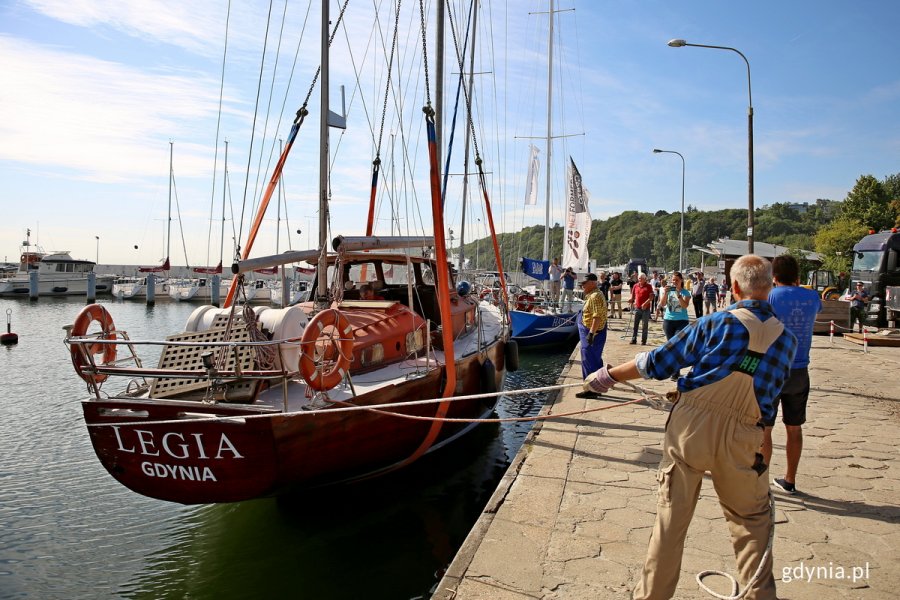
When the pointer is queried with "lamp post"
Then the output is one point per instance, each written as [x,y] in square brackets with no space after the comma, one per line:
[678,44]
[681,237]
[97,237]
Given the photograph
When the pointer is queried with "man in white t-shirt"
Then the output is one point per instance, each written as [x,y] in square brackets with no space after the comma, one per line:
[555,274]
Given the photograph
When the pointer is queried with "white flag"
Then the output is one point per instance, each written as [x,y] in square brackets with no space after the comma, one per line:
[532,183]
[578,222]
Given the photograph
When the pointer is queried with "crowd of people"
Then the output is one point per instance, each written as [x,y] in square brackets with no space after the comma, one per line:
[747,356]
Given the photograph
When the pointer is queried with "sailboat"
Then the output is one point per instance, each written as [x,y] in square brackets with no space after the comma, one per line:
[205,289]
[126,288]
[245,403]
[548,323]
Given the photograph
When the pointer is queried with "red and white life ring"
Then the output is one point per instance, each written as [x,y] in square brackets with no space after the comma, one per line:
[89,314]
[318,379]
[524,302]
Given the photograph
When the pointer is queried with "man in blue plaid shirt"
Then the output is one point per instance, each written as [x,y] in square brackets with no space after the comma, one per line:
[740,358]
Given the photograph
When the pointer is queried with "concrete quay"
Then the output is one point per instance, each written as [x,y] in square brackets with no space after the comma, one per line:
[572,517]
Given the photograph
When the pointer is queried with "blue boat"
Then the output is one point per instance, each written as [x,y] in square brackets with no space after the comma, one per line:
[532,329]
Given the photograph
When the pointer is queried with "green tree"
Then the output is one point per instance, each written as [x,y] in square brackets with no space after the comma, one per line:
[835,243]
[869,204]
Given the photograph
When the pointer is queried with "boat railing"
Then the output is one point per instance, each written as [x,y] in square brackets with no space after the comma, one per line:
[190,364]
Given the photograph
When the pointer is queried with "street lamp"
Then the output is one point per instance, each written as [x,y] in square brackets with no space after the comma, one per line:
[681,237]
[678,44]
[98,249]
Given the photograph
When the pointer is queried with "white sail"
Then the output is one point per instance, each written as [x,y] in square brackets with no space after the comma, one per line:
[578,222]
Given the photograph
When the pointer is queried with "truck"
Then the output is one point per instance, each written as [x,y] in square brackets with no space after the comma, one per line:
[876,263]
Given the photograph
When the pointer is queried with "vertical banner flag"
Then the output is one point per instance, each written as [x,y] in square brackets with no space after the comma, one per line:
[578,222]
[532,183]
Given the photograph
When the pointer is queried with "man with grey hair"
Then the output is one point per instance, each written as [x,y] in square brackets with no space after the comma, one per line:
[739,359]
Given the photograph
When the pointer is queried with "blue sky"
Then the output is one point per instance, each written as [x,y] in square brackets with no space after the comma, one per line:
[94,90]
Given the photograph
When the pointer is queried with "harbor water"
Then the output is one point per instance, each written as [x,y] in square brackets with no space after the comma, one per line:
[68,530]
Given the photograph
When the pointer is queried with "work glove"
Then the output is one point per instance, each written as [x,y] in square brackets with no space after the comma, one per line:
[600,381]
[591,339]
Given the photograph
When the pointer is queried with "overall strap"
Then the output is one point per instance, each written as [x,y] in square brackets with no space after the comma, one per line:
[762,335]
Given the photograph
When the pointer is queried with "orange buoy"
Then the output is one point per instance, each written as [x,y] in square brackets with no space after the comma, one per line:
[89,314]
[315,377]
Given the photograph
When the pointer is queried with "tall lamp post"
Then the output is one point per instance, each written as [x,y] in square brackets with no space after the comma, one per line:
[678,44]
[98,249]
[681,237]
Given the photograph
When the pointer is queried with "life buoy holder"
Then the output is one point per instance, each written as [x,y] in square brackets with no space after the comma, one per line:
[319,379]
[89,314]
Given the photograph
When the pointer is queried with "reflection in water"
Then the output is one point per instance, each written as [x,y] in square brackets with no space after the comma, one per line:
[68,530]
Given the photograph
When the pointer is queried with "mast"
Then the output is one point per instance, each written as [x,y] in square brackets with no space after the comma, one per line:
[462,226]
[322,271]
[549,132]
[224,196]
[169,218]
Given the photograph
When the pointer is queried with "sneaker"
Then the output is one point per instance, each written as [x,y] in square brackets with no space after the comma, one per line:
[632,342]
[644,343]
[785,486]
[588,395]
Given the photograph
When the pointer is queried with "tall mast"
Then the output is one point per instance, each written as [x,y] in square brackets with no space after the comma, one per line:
[462,226]
[549,132]
[322,271]
[169,218]
[224,197]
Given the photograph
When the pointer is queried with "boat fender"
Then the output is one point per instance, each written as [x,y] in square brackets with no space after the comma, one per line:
[318,379]
[89,314]
[488,377]
[511,354]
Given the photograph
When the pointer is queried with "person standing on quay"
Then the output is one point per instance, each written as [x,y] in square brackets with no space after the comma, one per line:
[710,294]
[615,294]
[740,359]
[674,303]
[697,295]
[591,330]
[797,308]
[641,303]
[568,293]
[555,274]
[858,301]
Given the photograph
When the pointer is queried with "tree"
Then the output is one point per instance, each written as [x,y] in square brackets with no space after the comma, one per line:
[868,203]
[835,243]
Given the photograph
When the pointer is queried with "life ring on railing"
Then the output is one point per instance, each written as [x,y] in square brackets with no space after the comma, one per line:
[89,314]
[525,302]
[316,378]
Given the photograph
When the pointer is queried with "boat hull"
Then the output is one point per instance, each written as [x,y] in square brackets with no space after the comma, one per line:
[163,449]
[55,286]
[543,329]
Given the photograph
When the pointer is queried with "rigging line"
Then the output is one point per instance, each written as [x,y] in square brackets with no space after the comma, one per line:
[260,190]
[253,126]
[387,86]
[460,83]
[337,24]
[180,224]
[257,193]
[218,128]
[466,91]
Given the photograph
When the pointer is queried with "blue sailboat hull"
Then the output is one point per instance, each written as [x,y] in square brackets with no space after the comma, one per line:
[543,329]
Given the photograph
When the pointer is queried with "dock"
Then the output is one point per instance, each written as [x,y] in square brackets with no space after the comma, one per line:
[572,517]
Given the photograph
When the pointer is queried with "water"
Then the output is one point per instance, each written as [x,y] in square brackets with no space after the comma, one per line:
[68,530]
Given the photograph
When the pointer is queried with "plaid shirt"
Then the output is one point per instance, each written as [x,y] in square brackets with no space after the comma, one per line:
[594,306]
[715,344]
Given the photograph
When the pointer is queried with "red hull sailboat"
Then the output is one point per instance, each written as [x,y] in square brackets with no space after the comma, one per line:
[249,402]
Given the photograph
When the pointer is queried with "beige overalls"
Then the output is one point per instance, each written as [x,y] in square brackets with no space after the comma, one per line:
[715,428]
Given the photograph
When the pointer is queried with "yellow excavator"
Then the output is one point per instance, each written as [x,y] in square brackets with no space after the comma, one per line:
[826,283]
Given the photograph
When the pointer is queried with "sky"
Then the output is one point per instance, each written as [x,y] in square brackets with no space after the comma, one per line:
[94,91]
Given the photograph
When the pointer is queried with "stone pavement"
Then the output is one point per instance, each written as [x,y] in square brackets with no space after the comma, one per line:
[572,517]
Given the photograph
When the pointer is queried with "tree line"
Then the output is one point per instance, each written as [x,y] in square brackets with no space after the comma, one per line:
[829,227]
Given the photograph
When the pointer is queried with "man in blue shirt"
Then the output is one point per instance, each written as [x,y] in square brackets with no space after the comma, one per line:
[740,357]
[797,308]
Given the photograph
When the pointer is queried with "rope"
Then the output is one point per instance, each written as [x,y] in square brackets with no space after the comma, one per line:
[650,397]
[736,593]
[265,355]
